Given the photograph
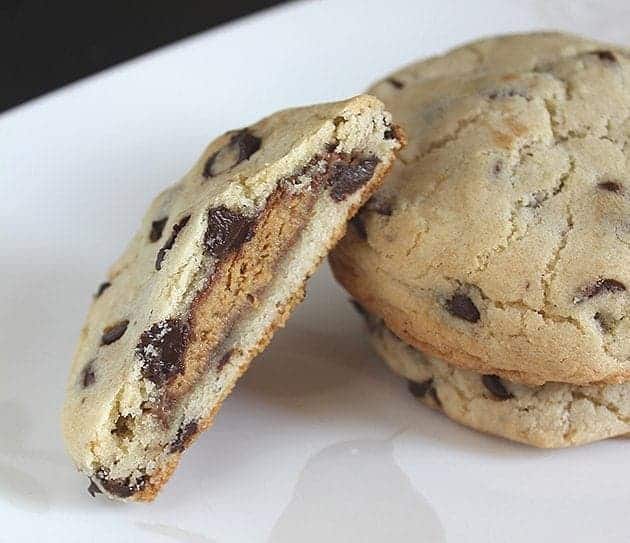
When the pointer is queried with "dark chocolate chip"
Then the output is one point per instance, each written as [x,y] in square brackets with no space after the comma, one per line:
[462,306]
[419,390]
[598,287]
[380,205]
[93,489]
[610,186]
[605,55]
[102,288]
[242,145]
[227,231]
[183,437]
[497,168]
[395,83]
[168,245]
[161,350]
[389,134]
[87,375]
[157,227]
[123,488]
[224,359]
[114,332]
[359,226]
[496,387]
[347,178]
[605,321]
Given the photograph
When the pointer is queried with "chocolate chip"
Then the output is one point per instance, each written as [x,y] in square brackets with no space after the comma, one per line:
[87,375]
[462,306]
[93,489]
[380,205]
[123,488]
[605,321]
[598,287]
[496,387]
[359,226]
[605,55]
[227,231]
[157,227]
[102,288]
[419,390]
[497,168]
[161,350]
[347,178]
[114,332]
[389,134]
[170,242]
[610,186]
[183,437]
[242,145]
[224,359]
[395,83]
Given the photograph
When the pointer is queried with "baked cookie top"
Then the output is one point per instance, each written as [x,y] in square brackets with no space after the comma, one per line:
[501,242]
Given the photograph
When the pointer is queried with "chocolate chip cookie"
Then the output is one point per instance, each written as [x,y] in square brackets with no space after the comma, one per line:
[549,415]
[500,243]
[217,265]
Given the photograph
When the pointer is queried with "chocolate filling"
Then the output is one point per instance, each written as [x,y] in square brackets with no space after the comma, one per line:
[348,176]
[246,265]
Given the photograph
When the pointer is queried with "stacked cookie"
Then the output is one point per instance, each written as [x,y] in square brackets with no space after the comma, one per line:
[493,266]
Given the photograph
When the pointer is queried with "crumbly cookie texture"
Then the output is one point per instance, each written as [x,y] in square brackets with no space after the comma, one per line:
[501,242]
[217,265]
[550,415]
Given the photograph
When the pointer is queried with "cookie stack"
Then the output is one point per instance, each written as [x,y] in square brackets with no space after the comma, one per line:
[492,267]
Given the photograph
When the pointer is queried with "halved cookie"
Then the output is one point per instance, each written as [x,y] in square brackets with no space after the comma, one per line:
[219,262]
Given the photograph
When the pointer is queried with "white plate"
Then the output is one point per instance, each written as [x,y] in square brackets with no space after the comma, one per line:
[318,442]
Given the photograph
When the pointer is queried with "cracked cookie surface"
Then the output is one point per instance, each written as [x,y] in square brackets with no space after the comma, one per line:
[218,263]
[501,241]
[549,415]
